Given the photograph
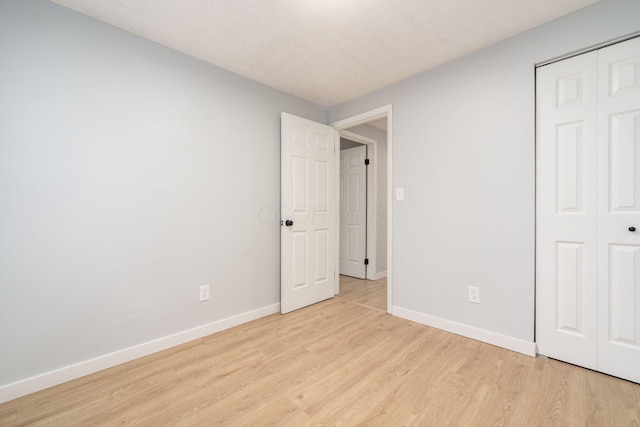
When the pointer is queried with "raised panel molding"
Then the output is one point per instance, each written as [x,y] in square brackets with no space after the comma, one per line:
[299,262]
[570,90]
[570,167]
[354,232]
[322,255]
[624,294]
[625,76]
[624,141]
[321,142]
[322,187]
[354,160]
[354,193]
[570,265]
[300,202]
[300,137]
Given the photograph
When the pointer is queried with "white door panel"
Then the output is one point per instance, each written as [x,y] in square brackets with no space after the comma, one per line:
[619,209]
[307,179]
[566,210]
[353,211]
[588,207]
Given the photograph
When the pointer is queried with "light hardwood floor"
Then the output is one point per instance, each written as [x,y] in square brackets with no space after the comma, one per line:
[340,362]
[369,293]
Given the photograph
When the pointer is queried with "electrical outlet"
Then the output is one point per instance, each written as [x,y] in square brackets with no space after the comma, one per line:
[204,293]
[474,294]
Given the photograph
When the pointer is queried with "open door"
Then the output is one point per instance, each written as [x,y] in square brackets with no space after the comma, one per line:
[353,211]
[309,213]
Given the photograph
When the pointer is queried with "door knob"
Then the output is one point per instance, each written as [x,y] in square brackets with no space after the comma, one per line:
[289,223]
[632,229]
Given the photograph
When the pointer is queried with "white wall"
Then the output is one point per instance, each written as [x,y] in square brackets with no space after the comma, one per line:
[464,150]
[380,216]
[130,174]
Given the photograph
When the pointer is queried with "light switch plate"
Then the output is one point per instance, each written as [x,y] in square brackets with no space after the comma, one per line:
[204,293]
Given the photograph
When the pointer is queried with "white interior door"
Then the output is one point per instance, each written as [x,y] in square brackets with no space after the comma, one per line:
[619,210]
[588,210]
[309,212]
[566,211]
[353,211]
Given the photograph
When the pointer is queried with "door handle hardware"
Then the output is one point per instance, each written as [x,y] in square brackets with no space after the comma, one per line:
[288,223]
[632,229]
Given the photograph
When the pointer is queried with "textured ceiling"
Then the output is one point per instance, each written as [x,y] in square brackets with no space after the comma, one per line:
[326,51]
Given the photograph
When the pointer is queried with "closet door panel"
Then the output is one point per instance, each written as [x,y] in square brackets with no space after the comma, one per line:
[566,210]
[619,210]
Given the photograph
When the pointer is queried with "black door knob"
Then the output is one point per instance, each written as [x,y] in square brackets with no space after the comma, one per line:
[289,223]
[632,229]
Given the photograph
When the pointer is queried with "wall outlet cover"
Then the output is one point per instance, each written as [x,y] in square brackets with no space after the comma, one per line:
[474,294]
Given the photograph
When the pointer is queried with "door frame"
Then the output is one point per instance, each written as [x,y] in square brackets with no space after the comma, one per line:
[372,199]
[363,118]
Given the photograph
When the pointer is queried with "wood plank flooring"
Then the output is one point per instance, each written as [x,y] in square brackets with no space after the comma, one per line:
[369,293]
[340,362]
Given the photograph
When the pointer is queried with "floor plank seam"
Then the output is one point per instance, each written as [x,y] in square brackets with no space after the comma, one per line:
[361,305]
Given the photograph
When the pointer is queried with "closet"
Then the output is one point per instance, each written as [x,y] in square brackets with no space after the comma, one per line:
[588,210]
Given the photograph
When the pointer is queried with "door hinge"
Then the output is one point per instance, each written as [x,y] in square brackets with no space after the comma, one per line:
[366,261]
[366,162]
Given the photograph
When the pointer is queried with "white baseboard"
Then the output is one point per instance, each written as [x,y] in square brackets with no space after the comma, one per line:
[49,379]
[504,341]
[378,276]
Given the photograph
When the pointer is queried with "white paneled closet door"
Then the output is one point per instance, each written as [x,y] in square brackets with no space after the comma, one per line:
[567,211]
[619,210]
[588,204]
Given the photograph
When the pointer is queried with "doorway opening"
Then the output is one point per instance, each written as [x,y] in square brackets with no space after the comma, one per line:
[373,129]
[358,204]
